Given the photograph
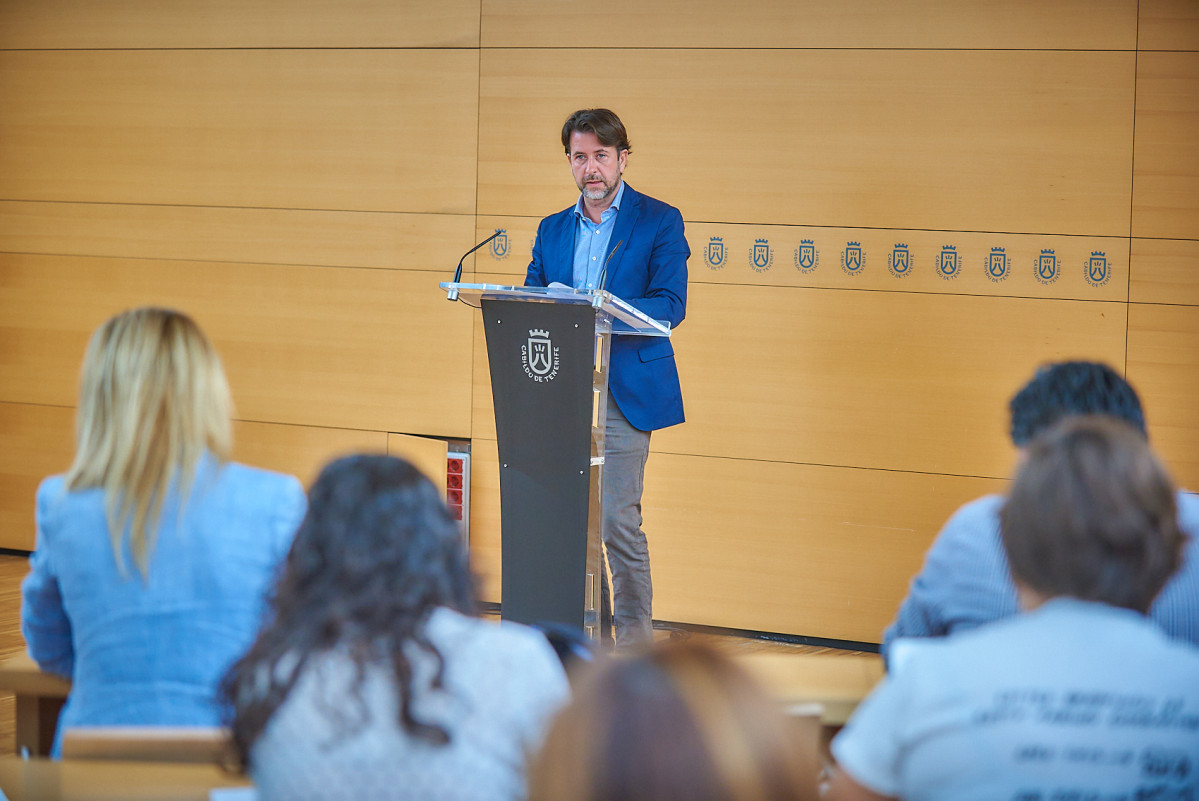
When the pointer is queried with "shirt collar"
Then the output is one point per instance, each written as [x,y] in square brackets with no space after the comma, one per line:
[579,212]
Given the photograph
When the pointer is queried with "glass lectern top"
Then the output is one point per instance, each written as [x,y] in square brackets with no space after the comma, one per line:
[625,318]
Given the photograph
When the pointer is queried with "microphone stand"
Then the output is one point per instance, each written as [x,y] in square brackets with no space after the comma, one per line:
[598,299]
[452,293]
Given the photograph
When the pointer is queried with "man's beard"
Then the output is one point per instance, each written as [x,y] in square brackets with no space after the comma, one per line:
[597,194]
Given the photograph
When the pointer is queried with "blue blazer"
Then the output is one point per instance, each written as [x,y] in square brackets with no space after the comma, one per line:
[649,271]
[151,652]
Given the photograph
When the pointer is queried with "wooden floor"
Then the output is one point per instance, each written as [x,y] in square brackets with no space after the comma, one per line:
[14,568]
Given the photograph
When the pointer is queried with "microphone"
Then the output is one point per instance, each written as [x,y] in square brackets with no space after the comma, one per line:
[604,272]
[453,293]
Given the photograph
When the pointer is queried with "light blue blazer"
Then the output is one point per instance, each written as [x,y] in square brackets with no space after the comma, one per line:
[649,270]
[152,652]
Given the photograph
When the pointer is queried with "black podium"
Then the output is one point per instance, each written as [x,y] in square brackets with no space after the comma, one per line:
[548,349]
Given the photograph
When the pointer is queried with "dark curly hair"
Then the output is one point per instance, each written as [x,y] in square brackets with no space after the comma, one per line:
[1063,389]
[376,553]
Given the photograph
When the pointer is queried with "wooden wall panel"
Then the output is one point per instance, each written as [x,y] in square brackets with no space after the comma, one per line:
[951,140]
[74,24]
[427,454]
[807,549]
[246,162]
[376,350]
[262,236]
[1020,24]
[1168,25]
[38,441]
[1164,271]
[378,130]
[300,451]
[870,379]
[1163,364]
[1165,200]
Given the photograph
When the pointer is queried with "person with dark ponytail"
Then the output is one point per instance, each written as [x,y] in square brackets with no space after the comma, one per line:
[374,678]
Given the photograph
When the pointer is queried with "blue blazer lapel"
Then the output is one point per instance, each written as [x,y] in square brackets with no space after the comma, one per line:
[562,247]
[623,232]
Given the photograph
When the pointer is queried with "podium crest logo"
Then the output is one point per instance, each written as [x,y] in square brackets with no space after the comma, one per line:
[499,245]
[1098,270]
[714,255]
[539,356]
[806,256]
[948,263]
[900,263]
[761,257]
[852,258]
[1047,271]
[997,266]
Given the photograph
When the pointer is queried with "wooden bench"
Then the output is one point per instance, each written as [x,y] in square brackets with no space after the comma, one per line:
[42,779]
[836,682]
[39,699]
[180,744]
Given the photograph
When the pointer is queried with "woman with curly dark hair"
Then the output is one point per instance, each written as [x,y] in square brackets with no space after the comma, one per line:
[373,678]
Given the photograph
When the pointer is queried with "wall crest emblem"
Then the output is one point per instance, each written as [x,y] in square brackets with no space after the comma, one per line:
[1047,271]
[806,256]
[499,245]
[714,255]
[948,263]
[1098,270]
[997,266]
[852,258]
[900,261]
[761,256]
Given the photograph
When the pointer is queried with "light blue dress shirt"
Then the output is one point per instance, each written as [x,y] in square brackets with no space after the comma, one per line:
[591,242]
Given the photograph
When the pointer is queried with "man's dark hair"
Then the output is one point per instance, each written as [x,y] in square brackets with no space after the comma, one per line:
[1091,515]
[606,126]
[1070,388]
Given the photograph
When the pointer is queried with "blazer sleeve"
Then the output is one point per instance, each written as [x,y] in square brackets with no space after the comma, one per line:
[44,622]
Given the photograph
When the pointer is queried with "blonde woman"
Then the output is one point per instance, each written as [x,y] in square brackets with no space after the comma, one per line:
[154,552]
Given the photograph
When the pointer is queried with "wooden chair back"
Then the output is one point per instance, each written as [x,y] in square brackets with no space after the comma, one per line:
[194,744]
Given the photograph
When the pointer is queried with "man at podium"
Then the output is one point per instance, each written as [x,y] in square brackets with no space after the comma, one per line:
[618,239]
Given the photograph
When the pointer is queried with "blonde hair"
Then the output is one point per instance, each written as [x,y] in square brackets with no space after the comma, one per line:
[152,399]
[677,723]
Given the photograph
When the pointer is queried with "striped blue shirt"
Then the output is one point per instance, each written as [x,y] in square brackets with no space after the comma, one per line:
[965,581]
